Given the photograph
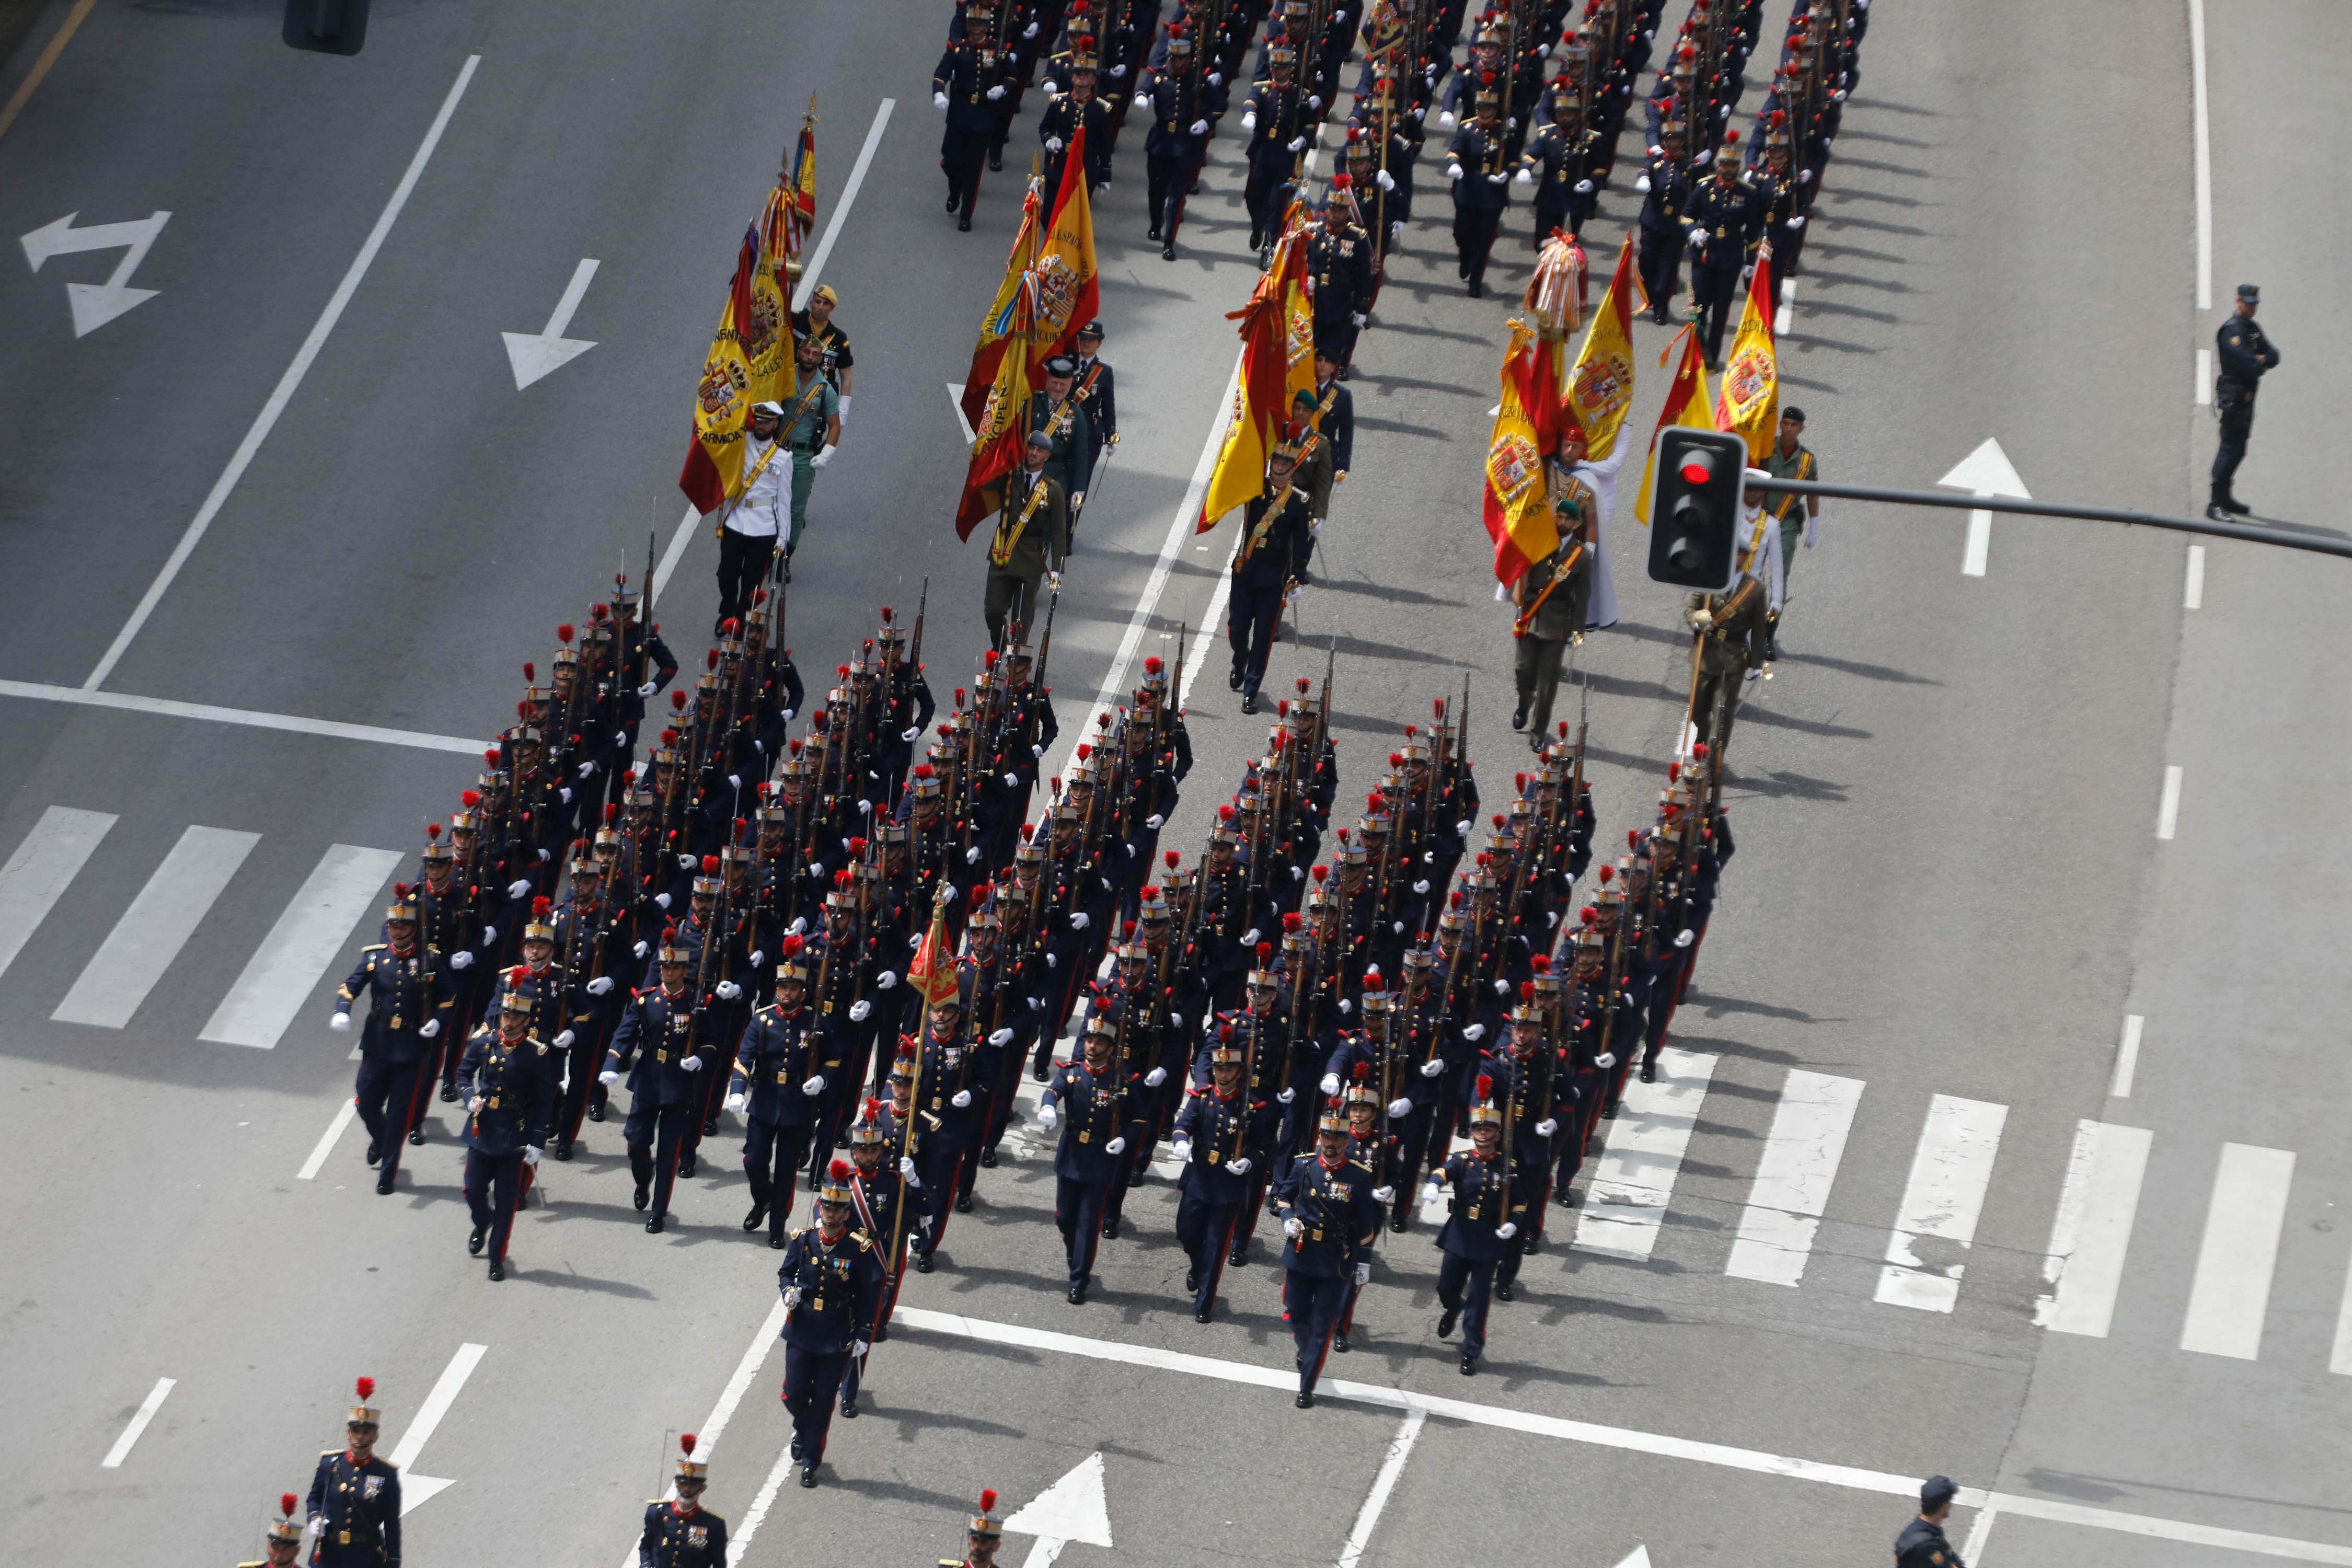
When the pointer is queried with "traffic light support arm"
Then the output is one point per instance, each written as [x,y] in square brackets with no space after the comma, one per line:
[2254,534]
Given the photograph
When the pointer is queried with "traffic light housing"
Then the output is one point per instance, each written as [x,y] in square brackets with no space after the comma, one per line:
[1695,516]
[327,27]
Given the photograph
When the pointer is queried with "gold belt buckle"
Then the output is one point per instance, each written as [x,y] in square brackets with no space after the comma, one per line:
[395,1020]
[343,1538]
[1085,1137]
[661,1055]
[1214,1155]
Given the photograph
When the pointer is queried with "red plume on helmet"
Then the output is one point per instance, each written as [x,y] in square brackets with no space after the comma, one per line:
[987,1498]
[1264,952]
[1171,857]
[710,864]
[540,906]
[840,1170]
[790,947]
[1485,1086]
[366,1387]
[1291,922]
[686,1442]
[286,1504]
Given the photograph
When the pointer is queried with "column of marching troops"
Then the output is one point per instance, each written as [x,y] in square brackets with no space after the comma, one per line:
[1537,103]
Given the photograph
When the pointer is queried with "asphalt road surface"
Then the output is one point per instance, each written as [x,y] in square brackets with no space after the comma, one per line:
[2029,958]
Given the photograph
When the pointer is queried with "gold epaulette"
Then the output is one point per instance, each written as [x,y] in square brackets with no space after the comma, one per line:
[863,1240]
[799,1231]
[539,1043]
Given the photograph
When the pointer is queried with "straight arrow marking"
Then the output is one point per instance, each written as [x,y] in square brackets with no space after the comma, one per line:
[1072,1510]
[1637,1558]
[1986,471]
[532,357]
[415,1488]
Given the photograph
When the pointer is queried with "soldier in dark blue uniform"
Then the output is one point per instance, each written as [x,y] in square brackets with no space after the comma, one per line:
[972,80]
[781,1069]
[1064,113]
[953,1072]
[658,1042]
[1560,161]
[355,1503]
[1184,107]
[832,1285]
[1476,163]
[983,1533]
[1723,220]
[1221,1139]
[1100,1110]
[1279,126]
[1664,183]
[1330,1218]
[510,1105]
[1482,1228]
[682,1533]
[283,1538]
[1270,561]
[409,1006]
[1096,390]
[1340,260]
[2245,354]
[1922,1543]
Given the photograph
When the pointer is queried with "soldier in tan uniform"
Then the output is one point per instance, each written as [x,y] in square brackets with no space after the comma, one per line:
[1552,594]
[1032,538]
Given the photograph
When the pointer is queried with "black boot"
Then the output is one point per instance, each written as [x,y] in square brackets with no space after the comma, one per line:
[751,1221]
[1446,1320]
[474,1242]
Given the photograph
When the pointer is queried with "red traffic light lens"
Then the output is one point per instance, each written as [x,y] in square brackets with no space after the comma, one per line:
[1696,470]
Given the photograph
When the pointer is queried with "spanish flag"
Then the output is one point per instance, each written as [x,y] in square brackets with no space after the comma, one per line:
[714,458]
[1601,387]
[1277,328]
[1517,511]
[1067,294]
[790,210]
[1750,401]
[1687,404]
[1003,425]
[933,971]
[996,325]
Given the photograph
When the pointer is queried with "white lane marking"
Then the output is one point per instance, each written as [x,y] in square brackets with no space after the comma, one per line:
[2203,390]
[2232,1288]
[531,355]
[1072,1510]
[146,1413]
[2192,593]
[291,723]
[1368,1517]
[739,1383]
[1986,471]
[2203,140]
[1793,1178]
[415,1488]
[1788,312]
[326,1140]
[2126,1058]
[955,403]
[823,250]
[2091,1230]
[1180,528]
[95,304]
[2339,1355]
[1211,631]
[1949,1172]
[1635,1179]
[1979,1532]
[158,923]
[39,873]
[757,1514]
[310,932]
[1625,1439]
[266,420]
[2167,809]
[682,536]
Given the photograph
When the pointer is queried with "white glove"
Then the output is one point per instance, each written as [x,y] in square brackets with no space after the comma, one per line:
[1249,119]
[1298,144]
[858,1348]
[1330,1083]
[728,990]
[1239,1167]
[1249,938]
[1177,1019]
[1346,1006]
[1547,1127]
[971,855]
[1463,827]
[1498,178]
[1296,874]
[1200,127]
[318,1526]
[1286,1096]
[691,1064]
[1359,318]
[586,769]
[734,781]
[1155,1078]
[1474,1033]
[1029,32]
[648,688]
[912,733]
[1605,1059]
[1383,1195]
[1053,143]
[907,1166]
[792,1296]
[1445,121]
[565,795]
[822,458]
[939,100]
[1052,962]
[341,1023]
[1080,920]
[518,887]
[561,1042]
[608,1078]
[530,1155]
[1643,185]
[1313,101]
[1154,821]
[735,1102]
[1385,180]
[1182,1148]
[1453,172]
[689,862]
[757,954]
[1685,937]
[998,90]
[1294,1229]
[1746,272]
[639,951]
[599,986]
[1363,1273]
[1502,987]
[1118,72]
[1116,1146]
[1047,1116]
[961,1100]
[886,980]
[1804,176]
[1399,1106]
[1433,1067]
[1522,178]
[1002,1038]
[1796,222]
[1422,886]
[1507,1230]
[858,1009]
[661,901]
[1217,79]
[1012,781]
[461,960]
[813,1085]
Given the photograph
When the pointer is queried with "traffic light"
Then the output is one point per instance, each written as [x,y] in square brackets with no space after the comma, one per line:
[329,26]
[1695,516]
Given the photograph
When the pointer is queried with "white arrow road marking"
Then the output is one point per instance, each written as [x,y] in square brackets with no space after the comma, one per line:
[1637,1558]
[95,304]
[534,357]
[955,401]
[414,1488]
[1072,1509]
[1986,471]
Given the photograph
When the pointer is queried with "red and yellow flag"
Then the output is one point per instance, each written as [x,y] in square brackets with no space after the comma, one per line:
[748,364]
[1687,404]
[1601,387]
[1067,294]
[1277,332]
[1517,511]
[1003,425]
[1751,402]
[996,324]
[933,971]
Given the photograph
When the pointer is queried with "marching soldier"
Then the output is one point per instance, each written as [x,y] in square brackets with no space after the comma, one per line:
[1551,597]
[1560,162]
[1060,415]
[813,323]
[754,517]
[1664,184]
[983,1533]
[1031,541]
[1722,220]
[1330,1218]
[971,81]
[1096,390]
[1797,516]
[1102,1107]
[1065,113]
[409,1004]
[1185,104]
[781,1069]
[283,1538]
[656,1043]
[1220,1140]
[682,1533]
[1340,260]
[355,1503]
[831,1283]
[1270,562]
[508,1081]
[1731,632]
[1279,126]
[1482,1228]
[1475,162]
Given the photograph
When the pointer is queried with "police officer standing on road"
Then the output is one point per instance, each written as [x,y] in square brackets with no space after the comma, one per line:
[355,1497]
[2245,354]
[683,1534]
[1922,1543]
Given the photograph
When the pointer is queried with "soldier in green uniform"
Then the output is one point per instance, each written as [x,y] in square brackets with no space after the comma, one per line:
[1733,632]
[1318,458]
[1551,596]
[1061,414]
[1032,538]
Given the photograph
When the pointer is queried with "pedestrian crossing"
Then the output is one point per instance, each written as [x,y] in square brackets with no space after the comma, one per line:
[338,897]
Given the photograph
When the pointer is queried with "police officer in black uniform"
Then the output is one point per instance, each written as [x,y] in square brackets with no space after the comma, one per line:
[832,1285]
[409,1003]
[355,1503]
[681,1532]
[510,1103]
[2245,354]
[1922,1543]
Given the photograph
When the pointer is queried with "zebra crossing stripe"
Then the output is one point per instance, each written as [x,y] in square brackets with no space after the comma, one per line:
[37,874]
[1791,1189]
[310,930]
[2232,1292]
[1950,1170]
[2093,1229]
[1643,1154]
[158,923]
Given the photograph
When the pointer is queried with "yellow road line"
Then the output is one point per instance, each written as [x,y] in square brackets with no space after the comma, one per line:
[41,67]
